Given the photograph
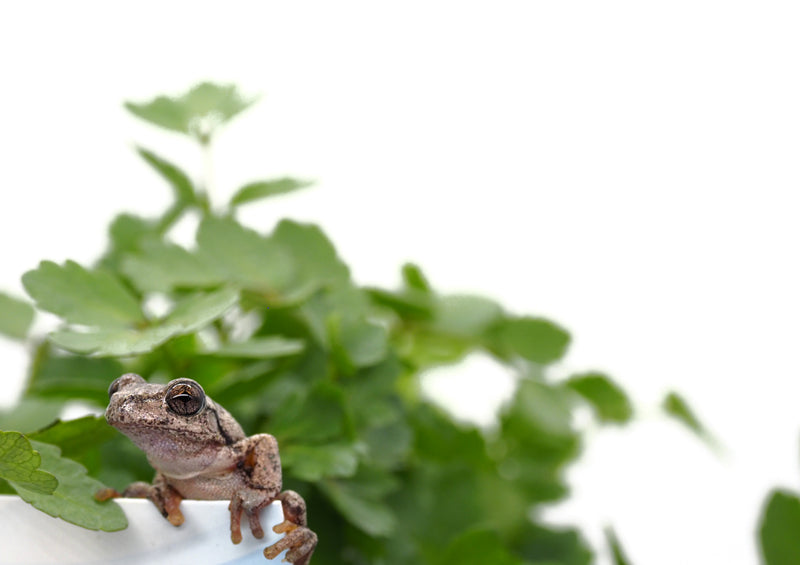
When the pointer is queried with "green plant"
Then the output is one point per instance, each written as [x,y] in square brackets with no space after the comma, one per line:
[276,330]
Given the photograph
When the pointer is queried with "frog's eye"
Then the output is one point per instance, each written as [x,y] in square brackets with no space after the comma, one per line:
[185,398]
[124,380]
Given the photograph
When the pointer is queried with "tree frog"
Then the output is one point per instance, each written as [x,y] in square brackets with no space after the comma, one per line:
[200,452]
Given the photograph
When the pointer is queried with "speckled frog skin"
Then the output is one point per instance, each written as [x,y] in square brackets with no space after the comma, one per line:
[200,452]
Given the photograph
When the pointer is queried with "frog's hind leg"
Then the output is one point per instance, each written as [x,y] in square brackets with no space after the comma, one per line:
[166,498]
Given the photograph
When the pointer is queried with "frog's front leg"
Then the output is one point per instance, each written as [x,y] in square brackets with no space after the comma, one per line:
[260,468]
[298,539]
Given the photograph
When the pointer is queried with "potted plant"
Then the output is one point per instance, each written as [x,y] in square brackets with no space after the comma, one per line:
[272,325]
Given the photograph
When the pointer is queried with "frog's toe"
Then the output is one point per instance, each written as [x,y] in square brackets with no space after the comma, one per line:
[300,541]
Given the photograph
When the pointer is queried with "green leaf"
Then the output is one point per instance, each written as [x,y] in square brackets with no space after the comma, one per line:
[779,529]
[163,267]
[617,552]
[609,402]
[213,103]
[73,377]
[73,499]
[246,257]
[16,317]
[415,279]
[314,254]
[535,339]
[30,414]
[360,344]
[91,298]
[74,437]
[265,189]
[261,348]
[314,462]
[315,415]
[465,315]
[478,547]
[180,182]
[678,408]
[19,464]
[188,316]
[358,500]
[550,545]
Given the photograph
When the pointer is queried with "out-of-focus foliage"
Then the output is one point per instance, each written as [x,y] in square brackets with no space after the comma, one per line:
[273,326]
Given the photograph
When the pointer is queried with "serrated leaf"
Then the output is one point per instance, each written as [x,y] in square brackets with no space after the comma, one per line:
[73,499]
[610,403]
[261,348]
[478,547]
[180,182]
[617,553]
[535,339]
[19,464]
[206,101]
[265,189]
[16,317]
[678,408]
[245,256]
[314,462]
[76,436]
[163,267]
[91,298]
[779,527]
[188,316]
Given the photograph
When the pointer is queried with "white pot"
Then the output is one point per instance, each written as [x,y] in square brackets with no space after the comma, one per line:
[31,537]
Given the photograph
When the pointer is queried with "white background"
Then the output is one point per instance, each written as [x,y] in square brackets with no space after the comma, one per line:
[628,169]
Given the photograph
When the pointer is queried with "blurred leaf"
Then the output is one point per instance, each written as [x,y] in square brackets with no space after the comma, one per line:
[19,464]
[265,189]
[437,438]
[73,499]
[248,258]
[411,304]
[73,377]
[30,414]
[608,400]
[314,254]
[478,547]
[414,278]
[359,500]
[359,344]
[189,315]
[181,184]
[261,348]
[779,528]
[314,462]
[162,267]
[216,103]
[564,546]
[16,317]
[535,339]
[678,408]
[315,416]
[465,315]
[126,233]
[74,437]
[616,548]
[92,298]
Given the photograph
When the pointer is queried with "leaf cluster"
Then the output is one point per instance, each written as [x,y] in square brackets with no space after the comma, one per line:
[273,326]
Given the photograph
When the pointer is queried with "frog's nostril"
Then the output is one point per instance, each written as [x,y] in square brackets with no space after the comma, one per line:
[122,381]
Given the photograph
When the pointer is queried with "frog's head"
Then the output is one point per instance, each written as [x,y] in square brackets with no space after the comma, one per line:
[168,421]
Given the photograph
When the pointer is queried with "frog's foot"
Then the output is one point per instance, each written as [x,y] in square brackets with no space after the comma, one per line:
[236,507]
[166,499]
[299,540]
[106,494]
